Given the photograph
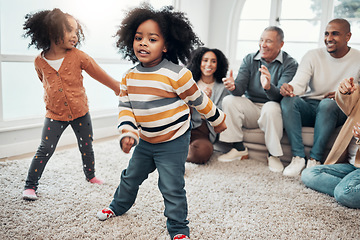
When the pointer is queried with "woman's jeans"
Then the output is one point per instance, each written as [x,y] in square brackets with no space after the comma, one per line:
[324,116]
[169,159]
[341,181]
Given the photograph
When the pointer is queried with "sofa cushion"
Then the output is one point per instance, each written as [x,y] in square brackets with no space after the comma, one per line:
[254,140]
[257,136]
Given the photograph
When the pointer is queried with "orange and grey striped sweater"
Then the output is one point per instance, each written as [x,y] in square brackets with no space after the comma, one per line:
[154,103]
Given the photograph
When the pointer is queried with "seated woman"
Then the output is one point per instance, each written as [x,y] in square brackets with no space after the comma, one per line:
[341,180]
[208,67]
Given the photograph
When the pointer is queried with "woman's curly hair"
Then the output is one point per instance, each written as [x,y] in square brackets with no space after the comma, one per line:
[44,26]
[195,63]
[175,27]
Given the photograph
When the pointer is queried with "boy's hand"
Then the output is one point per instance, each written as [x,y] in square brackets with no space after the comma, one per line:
[220,128]
[126,144]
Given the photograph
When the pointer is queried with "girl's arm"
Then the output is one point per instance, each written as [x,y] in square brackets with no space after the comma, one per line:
[108,81]
[96,72]
[38,69]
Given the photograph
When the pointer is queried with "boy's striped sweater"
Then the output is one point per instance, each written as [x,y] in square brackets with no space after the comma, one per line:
[154,103]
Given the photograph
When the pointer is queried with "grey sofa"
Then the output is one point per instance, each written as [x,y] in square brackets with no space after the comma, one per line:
[255,142]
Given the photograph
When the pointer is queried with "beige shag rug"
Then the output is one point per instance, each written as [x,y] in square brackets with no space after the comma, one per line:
[237,200]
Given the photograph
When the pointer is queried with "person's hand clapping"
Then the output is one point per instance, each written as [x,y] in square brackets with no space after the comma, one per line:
[208,92]
[229,82]
[265,77]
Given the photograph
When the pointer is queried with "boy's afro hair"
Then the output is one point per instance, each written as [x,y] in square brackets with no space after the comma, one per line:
[195,63]
[47,25]
[176,29]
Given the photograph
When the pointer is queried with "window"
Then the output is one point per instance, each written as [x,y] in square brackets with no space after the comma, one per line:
[250,21]
[351,11]
[21,91]
[301,27]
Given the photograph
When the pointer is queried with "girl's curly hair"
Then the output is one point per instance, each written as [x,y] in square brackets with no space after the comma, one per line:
[44,26]
[176,29]
[195,63]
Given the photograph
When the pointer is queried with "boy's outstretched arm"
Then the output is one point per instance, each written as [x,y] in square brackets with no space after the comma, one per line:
[127,125]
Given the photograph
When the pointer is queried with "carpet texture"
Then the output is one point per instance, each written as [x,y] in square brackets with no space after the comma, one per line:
[237,200]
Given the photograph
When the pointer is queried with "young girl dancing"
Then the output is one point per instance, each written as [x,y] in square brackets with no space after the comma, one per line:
[59,68]
[154,114]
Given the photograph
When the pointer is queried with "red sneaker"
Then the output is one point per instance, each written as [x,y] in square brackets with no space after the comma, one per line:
[29,194]
[96,180]
[104,214]
[180,236]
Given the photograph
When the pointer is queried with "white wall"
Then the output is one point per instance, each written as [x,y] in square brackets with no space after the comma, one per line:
[210,19]
[198,13]
[220,17]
